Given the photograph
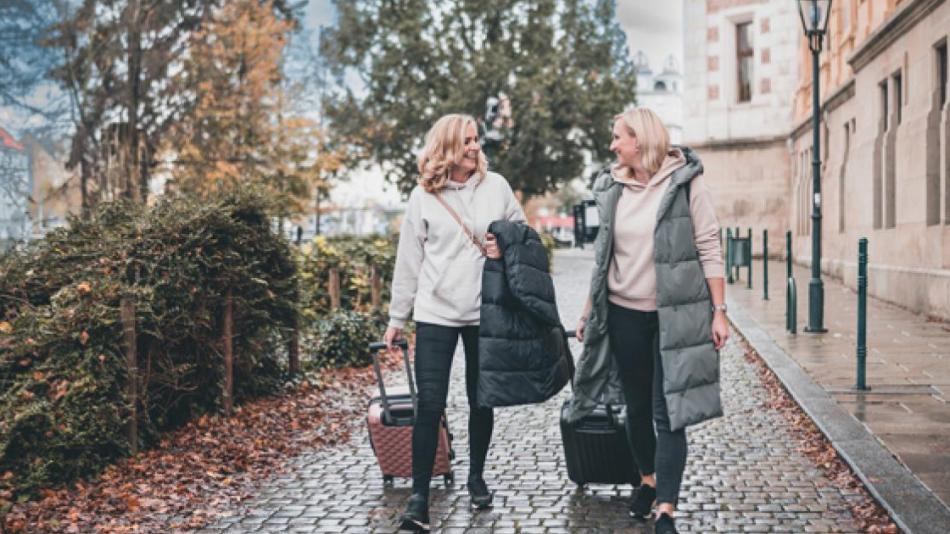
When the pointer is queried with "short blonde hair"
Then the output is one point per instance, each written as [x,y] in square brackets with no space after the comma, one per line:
[444,149]
[652,138]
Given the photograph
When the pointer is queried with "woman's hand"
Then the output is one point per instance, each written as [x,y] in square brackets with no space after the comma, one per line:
[579,329]
[392,335]
[491,247]
[720,329]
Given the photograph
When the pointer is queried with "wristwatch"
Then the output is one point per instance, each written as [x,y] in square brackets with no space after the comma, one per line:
[717,307]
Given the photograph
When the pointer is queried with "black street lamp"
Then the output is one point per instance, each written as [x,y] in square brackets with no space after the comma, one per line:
[814,15]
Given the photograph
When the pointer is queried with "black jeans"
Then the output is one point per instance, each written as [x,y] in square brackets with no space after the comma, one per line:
[435,346]
[634,338]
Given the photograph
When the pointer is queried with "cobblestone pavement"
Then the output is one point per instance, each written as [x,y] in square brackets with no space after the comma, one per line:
[744,473]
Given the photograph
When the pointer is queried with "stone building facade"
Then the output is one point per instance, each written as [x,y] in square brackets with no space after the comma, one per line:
[741,68]
[885,123]
[885,138]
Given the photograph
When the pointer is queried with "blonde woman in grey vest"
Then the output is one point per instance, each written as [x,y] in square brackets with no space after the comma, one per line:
[655,319]
[438,281]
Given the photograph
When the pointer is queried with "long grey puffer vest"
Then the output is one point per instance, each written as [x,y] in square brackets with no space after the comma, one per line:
[684,308]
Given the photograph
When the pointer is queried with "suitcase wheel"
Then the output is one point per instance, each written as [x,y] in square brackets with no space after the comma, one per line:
[388,481]
[449,479]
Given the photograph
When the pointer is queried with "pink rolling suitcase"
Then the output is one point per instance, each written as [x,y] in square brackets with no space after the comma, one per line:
[390,419]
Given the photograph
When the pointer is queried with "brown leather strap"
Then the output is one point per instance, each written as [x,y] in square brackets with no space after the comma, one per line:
[468,233]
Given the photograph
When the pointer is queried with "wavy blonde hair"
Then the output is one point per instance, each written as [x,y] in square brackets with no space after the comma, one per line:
[444,149]
[653,139]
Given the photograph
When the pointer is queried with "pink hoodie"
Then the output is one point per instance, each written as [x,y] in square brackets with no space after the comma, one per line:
[631,279]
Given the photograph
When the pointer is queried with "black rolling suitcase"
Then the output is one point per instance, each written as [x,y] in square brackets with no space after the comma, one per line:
[596,449]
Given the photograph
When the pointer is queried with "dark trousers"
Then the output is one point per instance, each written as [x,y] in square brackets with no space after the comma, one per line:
[634,339]
[435,346]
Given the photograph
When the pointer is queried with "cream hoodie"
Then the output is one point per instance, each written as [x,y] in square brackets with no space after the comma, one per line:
[631,278]
[438,274]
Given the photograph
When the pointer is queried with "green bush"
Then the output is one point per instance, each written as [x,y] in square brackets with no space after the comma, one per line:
[341,339]
[63,408]
[354,257]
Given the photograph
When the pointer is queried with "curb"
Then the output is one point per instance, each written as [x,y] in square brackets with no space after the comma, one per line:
[913,507]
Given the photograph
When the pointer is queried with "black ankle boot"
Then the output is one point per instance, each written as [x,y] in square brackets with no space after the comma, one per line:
[478,491]
[664,524]
[642,502]
[416,517]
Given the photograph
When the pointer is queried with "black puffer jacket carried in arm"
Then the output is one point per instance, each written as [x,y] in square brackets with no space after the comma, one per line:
[523,356]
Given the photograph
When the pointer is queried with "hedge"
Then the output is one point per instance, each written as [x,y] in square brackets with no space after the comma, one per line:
[63,407]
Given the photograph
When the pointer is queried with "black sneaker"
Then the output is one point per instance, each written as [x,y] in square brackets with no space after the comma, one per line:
[478,491]
[416,517]
[664,525]
[642,502]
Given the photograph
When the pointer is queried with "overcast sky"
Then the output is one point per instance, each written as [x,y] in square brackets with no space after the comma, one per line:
[654,27]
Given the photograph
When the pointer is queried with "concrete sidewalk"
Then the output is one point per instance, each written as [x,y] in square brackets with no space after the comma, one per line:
[908,369]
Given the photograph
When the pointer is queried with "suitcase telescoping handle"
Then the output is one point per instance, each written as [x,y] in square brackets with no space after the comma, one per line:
[374,348]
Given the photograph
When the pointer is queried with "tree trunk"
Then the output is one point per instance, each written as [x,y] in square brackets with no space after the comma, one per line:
[131,170]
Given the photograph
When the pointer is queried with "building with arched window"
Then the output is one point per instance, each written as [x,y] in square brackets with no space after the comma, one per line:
[662,92]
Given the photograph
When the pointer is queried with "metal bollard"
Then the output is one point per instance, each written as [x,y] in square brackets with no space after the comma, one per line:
[765,265]
[791,307]
[734,266]
[788,254]
[862,351]
[749,282]
[729,278]
[791,303]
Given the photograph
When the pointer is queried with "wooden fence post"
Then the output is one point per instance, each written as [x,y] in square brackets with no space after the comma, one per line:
[376,288]
[334,288]
[293,347]
[228,355]
[127,315]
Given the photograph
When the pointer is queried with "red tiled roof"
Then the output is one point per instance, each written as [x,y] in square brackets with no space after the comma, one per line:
[7,141]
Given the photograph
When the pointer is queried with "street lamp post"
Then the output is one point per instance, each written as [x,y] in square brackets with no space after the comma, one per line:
[814,16]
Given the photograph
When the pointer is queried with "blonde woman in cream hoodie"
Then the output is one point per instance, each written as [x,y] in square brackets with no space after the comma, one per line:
[656,313]
[437,280]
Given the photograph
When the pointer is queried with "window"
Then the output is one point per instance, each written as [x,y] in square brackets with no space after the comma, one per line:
[744,60]
[898,94]
[845,16]
[842,174]
[885,120]
[942,72]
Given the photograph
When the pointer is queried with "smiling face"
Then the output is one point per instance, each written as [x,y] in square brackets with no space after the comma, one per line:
[471,150]
[625,146]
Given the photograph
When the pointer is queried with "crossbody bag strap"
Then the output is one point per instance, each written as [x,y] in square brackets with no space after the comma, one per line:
[468,233]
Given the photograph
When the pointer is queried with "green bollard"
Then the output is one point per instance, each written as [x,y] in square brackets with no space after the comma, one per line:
[765,265]
[862,312]
[791,305]
[749,283]
[788,254]
[791,312]
[729,278]
[735,266]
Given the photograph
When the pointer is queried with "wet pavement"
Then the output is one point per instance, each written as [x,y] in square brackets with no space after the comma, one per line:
[908,366]
[744,472]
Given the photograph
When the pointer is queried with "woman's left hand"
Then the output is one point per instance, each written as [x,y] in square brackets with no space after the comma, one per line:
[491,247]
[720,329]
